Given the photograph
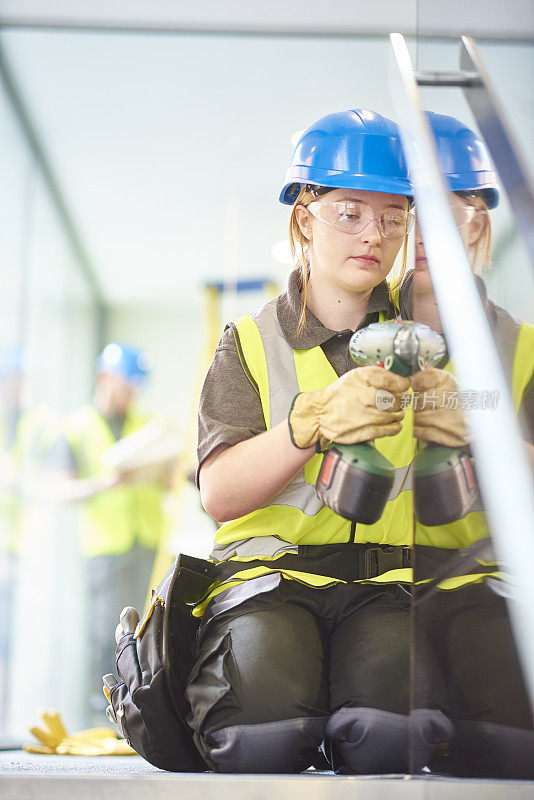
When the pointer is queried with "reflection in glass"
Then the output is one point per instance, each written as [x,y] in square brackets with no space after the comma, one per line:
[466,665]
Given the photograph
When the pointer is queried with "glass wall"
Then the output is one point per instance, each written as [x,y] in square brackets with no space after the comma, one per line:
[173,150]
[48,344]
[468,677]
[158,119]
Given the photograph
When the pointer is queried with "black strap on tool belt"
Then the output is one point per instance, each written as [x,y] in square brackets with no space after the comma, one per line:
[346,562]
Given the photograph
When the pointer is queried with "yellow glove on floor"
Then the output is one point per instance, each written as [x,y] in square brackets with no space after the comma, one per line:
[50,735]
[436,419]
[346,410]
[94,742]
[54,738]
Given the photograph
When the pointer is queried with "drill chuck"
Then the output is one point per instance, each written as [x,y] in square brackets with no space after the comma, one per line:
[402,347]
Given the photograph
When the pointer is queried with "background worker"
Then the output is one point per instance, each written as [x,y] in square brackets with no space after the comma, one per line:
[122,519]
[309,638]
[477,679]
[27,433]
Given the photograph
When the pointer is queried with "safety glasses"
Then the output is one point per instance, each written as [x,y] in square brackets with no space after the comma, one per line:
[463,215]
[353,216]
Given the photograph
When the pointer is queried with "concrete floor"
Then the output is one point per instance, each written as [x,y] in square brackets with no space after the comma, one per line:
[33,777]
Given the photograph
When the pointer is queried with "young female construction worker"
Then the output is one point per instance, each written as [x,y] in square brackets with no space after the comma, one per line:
[307,636]
[464,636]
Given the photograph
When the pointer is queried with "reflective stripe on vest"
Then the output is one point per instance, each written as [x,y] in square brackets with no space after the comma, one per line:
[296,516]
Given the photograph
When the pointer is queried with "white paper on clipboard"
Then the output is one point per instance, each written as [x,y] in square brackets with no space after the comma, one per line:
[156,445]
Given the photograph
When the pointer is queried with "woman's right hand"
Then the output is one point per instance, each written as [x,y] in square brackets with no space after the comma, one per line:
[347,411]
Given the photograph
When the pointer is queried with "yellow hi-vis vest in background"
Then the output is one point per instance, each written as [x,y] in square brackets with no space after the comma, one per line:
[114,520]
[36,431]
[296,516]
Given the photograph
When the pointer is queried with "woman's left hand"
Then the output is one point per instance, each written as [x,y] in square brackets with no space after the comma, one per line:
[437,408]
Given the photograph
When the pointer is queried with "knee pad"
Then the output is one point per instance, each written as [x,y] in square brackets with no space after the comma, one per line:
[490,750]
[428,728]
[372,741]
[286,746]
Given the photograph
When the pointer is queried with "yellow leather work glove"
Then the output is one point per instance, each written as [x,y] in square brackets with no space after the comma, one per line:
[437,409]
[50,735]
[94,742]
[54,738]
[347,411]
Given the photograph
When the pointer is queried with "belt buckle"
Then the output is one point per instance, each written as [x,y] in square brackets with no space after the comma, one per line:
[371,562]
[387,557]
[407,556]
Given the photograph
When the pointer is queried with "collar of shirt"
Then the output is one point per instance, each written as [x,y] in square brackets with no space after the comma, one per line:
[315,333]
[406,298]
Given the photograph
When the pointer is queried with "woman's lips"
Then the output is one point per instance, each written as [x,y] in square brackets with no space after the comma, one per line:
[365,259]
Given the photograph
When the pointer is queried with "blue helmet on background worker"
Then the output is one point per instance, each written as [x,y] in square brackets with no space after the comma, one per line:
[356,149]
[12,360]
[463,158]
[129,362]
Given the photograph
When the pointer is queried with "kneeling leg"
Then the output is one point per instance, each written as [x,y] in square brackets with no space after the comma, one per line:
[258,691]
[371,725]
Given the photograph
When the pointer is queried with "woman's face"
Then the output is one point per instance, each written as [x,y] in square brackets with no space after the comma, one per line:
[470,231]
[354,262]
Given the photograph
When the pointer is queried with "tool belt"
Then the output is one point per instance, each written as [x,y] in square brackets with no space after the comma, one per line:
[148,701]
[347,562]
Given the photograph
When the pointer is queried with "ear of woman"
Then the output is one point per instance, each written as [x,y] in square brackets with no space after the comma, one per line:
[302,216]
[476,227]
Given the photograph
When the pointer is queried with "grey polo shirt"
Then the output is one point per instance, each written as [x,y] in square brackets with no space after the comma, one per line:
[230,409]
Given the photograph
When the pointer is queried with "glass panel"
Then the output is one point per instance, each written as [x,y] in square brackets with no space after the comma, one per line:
[200,160]
[48,346]
[465,660]
[59,336]
[14,210]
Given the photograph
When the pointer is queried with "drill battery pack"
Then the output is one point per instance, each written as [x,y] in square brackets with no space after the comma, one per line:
[445,484]
[355,481]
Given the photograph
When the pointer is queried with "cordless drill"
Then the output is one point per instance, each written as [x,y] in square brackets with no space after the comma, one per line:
[356,480]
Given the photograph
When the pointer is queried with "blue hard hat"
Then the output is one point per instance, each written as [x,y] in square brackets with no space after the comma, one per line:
[356,149]
[463,157]
[122,359]
[12,361]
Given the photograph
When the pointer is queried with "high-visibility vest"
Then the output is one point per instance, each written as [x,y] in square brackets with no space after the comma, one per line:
[115,519]
[36,431]
[515,342]
[296,516]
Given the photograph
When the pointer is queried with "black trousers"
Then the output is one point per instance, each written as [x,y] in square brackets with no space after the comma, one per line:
[466,664]
[281,667]
[278,671]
